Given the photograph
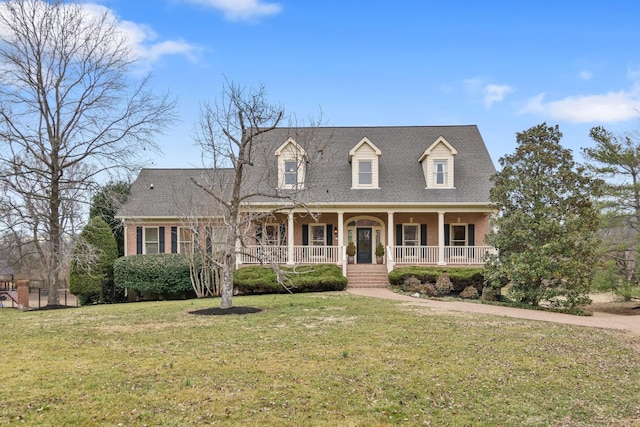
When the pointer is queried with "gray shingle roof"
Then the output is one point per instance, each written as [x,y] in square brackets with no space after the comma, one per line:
[329,171]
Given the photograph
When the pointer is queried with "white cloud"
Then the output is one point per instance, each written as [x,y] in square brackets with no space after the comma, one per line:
[239,10]
[607,108]
[585,75]
[141,39]
[495,93]
[490,92]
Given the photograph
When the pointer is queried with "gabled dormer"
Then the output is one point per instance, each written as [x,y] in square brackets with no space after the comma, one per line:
[364,164]
[438,164]
[292,165]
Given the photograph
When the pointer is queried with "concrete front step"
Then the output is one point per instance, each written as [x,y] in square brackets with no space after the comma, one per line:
[367,276]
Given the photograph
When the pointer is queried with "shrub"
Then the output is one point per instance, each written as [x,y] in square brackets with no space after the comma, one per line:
[311,278]
[91,270]
[429,290]
[461,277]
[469,292]
[411,283]
[444,285]
[162,274]
[490,293]
[627,291]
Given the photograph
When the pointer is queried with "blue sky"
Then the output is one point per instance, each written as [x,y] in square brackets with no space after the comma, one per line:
[503,65]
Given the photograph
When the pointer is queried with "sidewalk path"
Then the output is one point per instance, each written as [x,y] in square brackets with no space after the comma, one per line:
[598,320]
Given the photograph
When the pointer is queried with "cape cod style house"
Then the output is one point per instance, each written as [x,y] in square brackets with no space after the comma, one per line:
[422,192]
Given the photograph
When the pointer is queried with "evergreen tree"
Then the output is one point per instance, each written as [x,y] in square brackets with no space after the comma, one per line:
[91,275]
[105,204]
[546,229]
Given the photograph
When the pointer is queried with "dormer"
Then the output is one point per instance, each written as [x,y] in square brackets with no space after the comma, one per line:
[364,164]
[438,164]
[292,165]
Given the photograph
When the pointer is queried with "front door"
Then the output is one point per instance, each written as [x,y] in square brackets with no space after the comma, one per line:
[364,245]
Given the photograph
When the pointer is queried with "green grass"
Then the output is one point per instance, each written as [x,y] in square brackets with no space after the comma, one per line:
[310,359]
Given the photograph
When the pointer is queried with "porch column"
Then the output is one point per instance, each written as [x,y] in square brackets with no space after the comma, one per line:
[290,237]
[441,239]
[390,241]
[340,243]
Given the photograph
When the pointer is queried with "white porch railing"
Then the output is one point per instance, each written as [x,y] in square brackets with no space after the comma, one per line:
[301,254]
[430,254]
[416,254]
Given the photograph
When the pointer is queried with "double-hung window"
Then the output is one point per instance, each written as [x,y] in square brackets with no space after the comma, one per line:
[440,172]
[317,235]
[216,238]
[365,172]
[410,235]
[186,240]
[274,235]
[458,235]
[290,173]
[151,240]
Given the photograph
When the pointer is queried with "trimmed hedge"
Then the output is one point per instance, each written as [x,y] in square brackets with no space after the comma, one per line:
[162,274]
[310,278]
[461,277]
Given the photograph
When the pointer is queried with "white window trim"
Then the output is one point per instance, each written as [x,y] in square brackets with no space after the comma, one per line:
[324,234]
[466,234]
[182,241]
[356,155]
[144,239]
[217,246]
[295,154]
[446,173]
[280,240]
[404,234]
[371,163]
[429,167]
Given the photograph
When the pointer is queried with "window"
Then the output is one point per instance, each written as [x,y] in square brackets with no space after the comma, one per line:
[186,238]
[151,240]
[458,235]
[410,235]
[274,234]
[317,235]
[365,175]
[290,173]
[216,238]
[292,160]
[440,172]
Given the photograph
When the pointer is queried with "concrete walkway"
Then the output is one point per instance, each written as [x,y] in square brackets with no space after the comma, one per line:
[598,320]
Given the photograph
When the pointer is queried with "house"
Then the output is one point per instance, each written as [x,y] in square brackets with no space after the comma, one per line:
[420,191]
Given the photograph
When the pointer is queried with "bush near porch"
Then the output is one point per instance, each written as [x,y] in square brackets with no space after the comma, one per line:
[310,278]
[154,276]
[461,278]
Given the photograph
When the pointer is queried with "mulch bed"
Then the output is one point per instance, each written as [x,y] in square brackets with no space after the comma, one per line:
[217,311]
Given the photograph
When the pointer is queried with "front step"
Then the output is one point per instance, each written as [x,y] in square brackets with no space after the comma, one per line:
[367,276]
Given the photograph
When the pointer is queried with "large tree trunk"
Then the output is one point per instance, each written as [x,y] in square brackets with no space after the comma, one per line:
[227,281]
[55,257]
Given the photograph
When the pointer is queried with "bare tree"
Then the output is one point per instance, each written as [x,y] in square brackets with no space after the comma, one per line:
[69,114]
[230,134]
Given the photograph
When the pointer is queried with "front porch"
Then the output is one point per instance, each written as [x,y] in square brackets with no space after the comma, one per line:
[394,255]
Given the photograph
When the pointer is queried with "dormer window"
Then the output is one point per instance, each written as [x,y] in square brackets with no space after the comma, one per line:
[440,172]
[290,173]
[438,164]
[292,161]
[364,172]
[364,164]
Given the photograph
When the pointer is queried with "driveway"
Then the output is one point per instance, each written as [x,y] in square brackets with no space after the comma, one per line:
[598,320]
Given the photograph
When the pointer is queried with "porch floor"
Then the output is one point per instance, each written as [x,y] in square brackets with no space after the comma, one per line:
[367,276]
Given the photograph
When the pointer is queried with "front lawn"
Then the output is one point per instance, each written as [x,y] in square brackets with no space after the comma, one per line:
[310,359]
